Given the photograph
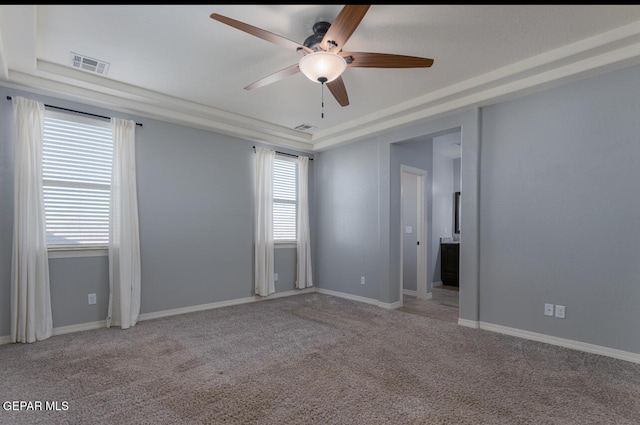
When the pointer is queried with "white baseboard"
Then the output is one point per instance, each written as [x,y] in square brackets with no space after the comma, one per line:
[220,304]
[534,336]
[562,342]
[412,293]
[165,313]
[347,296]
[80,327]
[387,306]
[61,330]
[390,306]
[194,308]
[468,323]
[290,293]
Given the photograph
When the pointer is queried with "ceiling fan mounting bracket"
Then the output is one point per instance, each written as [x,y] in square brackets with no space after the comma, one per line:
[321,27]
[319,31]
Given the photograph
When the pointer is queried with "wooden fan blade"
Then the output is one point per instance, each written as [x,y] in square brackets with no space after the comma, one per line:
[343,26]
[339,91]
[384,60]
[276,76]
[260,33]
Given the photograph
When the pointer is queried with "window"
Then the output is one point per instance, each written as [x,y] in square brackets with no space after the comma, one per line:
[285,199]
[76,169]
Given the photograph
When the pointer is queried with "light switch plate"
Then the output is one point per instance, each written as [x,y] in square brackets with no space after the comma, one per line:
[92,299]
[560,311]
[408,229]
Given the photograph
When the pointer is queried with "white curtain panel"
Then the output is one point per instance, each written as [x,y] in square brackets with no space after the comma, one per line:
[124,238]
[263,238]
[304,278]
[31,318]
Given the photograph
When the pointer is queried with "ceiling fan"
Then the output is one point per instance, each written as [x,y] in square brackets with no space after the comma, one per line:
[323,59]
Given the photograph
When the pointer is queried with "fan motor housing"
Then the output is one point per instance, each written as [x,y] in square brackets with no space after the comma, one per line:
[314,40]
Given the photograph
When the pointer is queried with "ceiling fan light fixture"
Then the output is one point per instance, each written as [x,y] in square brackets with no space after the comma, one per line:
[322,67]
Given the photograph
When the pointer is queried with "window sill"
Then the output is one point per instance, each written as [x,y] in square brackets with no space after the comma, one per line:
[74,252]
[288,244]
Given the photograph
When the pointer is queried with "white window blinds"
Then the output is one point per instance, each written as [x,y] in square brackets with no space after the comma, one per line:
[76,167]
[285,199]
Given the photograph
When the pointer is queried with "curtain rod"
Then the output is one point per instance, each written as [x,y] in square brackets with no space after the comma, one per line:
[77,112]
[287,154]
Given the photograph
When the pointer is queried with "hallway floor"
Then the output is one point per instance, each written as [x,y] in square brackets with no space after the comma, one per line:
[443,306]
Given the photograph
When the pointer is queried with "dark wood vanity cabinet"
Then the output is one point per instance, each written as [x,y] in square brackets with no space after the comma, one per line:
[449,261]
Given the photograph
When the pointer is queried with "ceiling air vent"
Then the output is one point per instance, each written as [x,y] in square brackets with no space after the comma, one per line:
[304,127]
[89,64]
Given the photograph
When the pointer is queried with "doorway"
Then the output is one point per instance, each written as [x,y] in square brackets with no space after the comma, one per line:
[446,228]
[413,233]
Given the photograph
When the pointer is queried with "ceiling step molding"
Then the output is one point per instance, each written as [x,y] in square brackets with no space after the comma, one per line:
[591,56]
[608,51]
[196,116]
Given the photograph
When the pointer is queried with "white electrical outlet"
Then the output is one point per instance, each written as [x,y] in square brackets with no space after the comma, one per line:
[275,276]
[92,299]
[548,309]
[560,311]
[361,280]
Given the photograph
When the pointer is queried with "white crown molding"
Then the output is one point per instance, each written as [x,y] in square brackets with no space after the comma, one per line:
[594,55]
[160,107]
[605,52]
[132,92]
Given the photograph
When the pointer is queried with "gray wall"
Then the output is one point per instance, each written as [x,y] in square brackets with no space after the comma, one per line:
[349,180]
[409,240]
[358,198]
[442,205]
[560,197]
[195,200]
[347,237]
[6,211]
[71,280]
[558,216]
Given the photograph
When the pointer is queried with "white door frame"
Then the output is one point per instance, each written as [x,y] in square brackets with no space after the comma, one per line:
[422,285]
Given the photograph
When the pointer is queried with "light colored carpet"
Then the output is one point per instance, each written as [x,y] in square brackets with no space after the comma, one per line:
[313,359]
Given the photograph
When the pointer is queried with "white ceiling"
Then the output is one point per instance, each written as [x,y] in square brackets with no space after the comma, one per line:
[175,63]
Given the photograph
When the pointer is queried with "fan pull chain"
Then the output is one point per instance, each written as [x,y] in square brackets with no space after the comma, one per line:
[322,90]
[322,80]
